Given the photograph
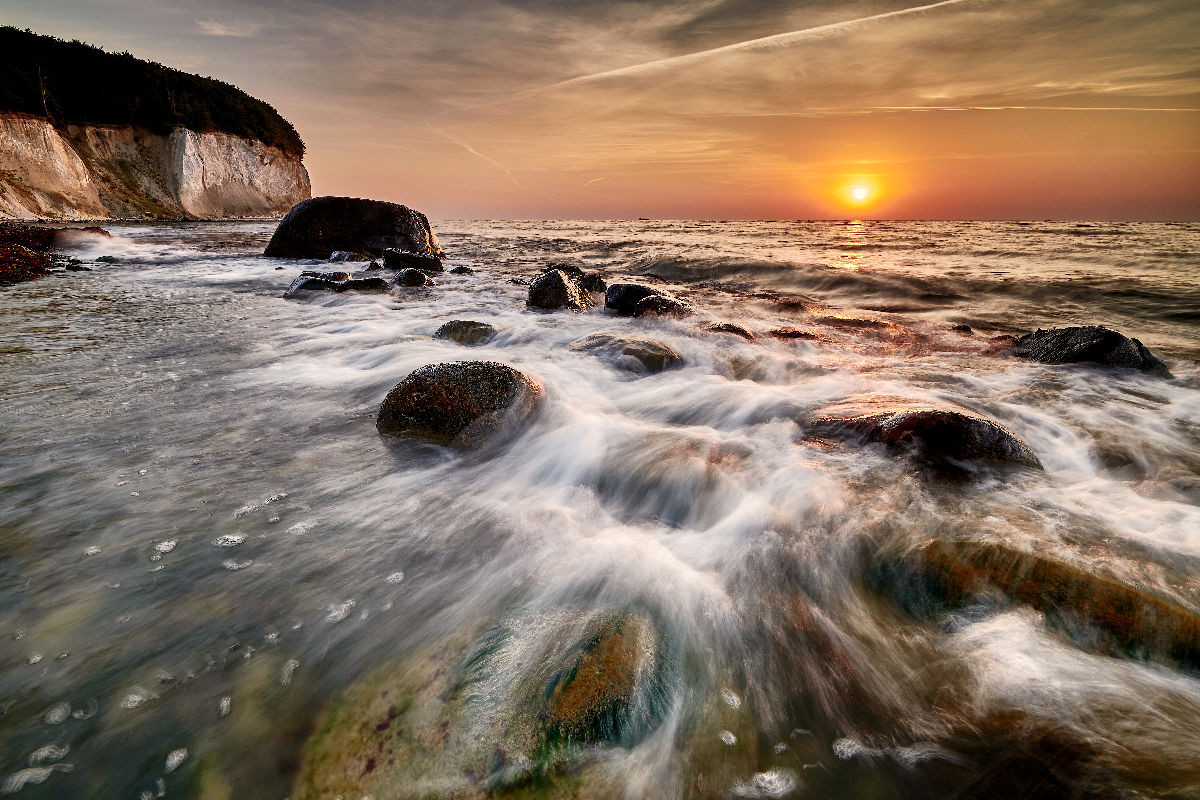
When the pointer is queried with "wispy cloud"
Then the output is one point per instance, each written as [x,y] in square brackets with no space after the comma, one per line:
[239,30]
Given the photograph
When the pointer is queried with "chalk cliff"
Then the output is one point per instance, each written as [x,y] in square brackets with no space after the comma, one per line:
[114,171]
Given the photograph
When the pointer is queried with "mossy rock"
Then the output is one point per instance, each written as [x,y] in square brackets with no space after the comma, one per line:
[527,709]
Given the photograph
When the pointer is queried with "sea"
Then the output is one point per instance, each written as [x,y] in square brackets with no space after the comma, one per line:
[206,545]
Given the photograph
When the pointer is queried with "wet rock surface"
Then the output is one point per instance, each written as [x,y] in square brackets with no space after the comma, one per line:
[568,687]
[662,304]
[1089,344]
[465,332]
[556,289]
[317,227]
[401,259]
[367,285]
[414,278]
[624,297]
[941,576]
[633,354]
[729,327]
[464,403]
[948,441]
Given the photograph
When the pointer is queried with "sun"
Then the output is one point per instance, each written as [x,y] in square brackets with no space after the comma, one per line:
[860,193]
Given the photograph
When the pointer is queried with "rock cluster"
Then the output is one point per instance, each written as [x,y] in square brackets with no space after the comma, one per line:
[317,227]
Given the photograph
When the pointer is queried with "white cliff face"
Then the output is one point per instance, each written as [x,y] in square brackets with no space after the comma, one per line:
[93,172]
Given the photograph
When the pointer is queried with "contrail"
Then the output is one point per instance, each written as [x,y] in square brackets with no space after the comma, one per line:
[475,152]
[764,43]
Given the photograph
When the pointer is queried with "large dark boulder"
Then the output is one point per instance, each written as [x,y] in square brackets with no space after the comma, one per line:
[317,227]
[629,353]
[949,441]
[414,277]
[310,284]
[402,259]
[663,305]
[557,289]
[463,403]
[1088,344]
[466,332]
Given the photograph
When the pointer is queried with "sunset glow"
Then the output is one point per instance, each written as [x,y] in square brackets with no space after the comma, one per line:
[998,109]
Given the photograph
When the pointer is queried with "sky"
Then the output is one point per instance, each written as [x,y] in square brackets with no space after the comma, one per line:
[714,109]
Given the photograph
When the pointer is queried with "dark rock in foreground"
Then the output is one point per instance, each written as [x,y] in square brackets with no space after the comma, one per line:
[1088,344]
[942,576]
[557,289]
[401,259]
[414,277]
[946,440]
[465,332]
[317,227]
[463,403]
[624,297]
[310,284]
[662,304]
[629,353]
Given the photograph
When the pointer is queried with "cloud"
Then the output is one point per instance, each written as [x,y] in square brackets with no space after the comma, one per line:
[213,28]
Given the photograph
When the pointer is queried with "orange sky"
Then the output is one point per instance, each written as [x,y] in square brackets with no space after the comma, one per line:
[1070,109]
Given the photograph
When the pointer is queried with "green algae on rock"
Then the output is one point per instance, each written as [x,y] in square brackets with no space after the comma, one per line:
[528,708]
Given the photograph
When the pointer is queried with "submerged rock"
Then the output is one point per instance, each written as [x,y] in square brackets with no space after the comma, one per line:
[315,228]
[946,440]
[793,333]
[530,705]
[556,289]
[309,284]
[462,271]
[941,576]
[465,332]
[463,403]
[336,277]
[729,327]
[400,259]
[1088,344]
[630,353]
[414,277]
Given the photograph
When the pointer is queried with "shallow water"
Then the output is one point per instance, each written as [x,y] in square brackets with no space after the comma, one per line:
[203,538]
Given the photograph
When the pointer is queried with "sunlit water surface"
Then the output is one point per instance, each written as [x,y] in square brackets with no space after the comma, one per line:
[203,538]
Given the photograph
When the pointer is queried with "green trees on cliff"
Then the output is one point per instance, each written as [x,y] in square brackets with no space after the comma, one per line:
[73,82]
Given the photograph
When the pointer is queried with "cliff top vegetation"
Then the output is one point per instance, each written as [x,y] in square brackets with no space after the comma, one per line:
[74,82]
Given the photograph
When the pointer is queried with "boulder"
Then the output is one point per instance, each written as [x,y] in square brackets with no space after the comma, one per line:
[465,332]
[556,289]
[414,277]
[793,333]
[946,440]
[662,304]
[624,297]
[943,575]
[401,259]
[371,285]
[462,271]
[587,281]
[1088,344]
[632,354]
[729,327]
[316,227]
[463,403]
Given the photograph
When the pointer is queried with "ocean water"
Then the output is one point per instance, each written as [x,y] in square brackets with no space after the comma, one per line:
[204,540]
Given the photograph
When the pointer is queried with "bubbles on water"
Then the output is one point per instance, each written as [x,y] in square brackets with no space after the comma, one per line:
[260,504]
[166,546]
[301,528]
[778,782]
[285,676]
[224,706]
[35,658]
[16,782]
[174,759]
[229,539]
[340,611]
[395,577]
[728,738]
[92,551]
[50,752]
[846,749]
[233,566]
[731,699]
[137,697]
[88,711]
[58,714]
